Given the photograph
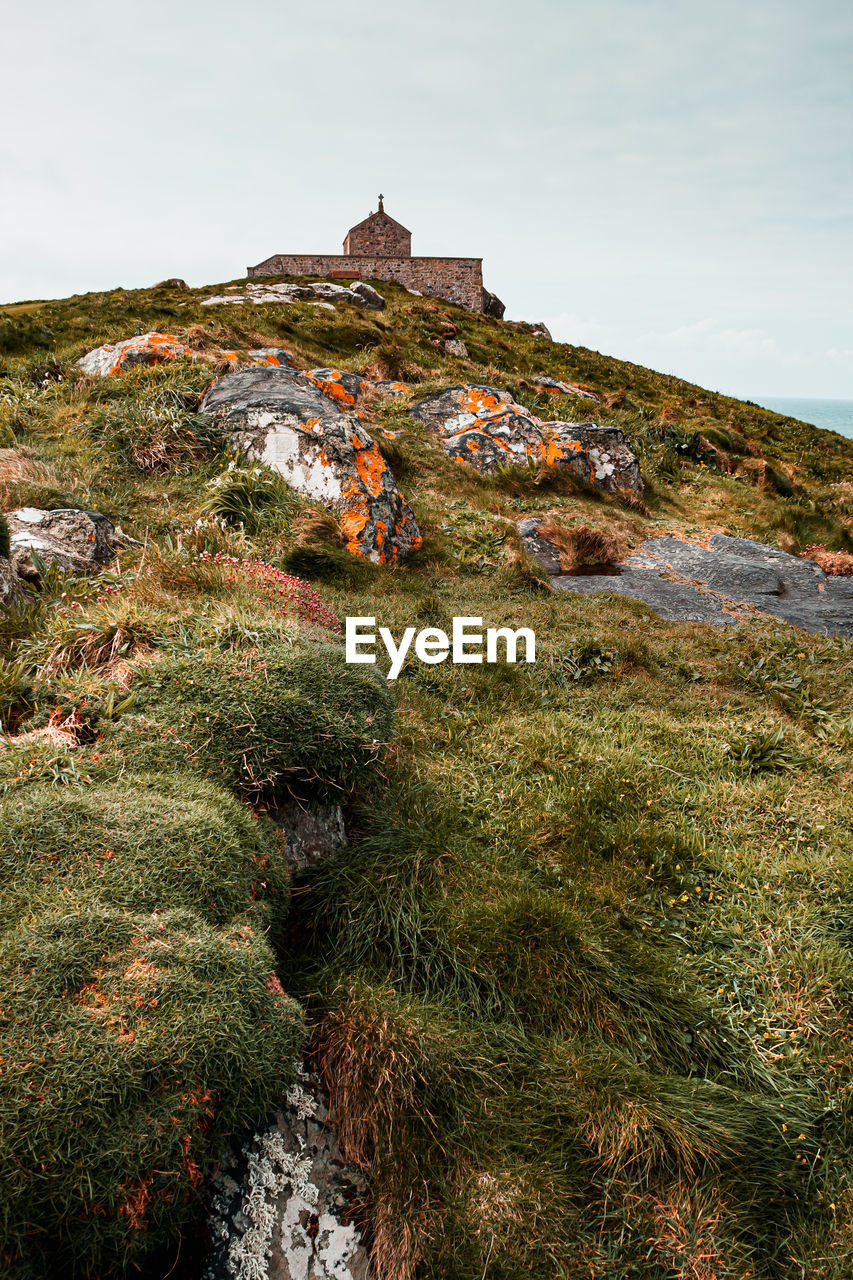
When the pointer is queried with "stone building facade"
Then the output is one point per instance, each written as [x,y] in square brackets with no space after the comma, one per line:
[380,248]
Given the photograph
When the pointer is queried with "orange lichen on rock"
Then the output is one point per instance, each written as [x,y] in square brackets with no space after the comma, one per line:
[339,385]
[371,467]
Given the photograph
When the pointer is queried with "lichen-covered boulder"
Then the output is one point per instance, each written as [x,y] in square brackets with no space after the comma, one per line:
[487,429]
[482,426]
[286,1207]
[391,388]
[341,386]
[148,348]
[273,356]
[77,541]
[598,454]
[283,419]
[458,408]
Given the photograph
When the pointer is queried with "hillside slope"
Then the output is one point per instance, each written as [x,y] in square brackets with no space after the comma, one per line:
[579,985]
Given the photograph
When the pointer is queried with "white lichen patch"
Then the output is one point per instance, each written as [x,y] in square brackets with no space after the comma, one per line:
[280,1210]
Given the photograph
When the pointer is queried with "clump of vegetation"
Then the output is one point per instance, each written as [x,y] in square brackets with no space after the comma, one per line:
[837,563]
[144,844]
[250,495]
[268,723]
[5,545]
[580,546]
[149,420]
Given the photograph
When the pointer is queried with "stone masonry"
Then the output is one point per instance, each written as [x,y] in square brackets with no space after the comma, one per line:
[379,248]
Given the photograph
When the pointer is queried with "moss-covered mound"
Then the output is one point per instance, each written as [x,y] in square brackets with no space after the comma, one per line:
[142,844]
[132,1045]
[267,723]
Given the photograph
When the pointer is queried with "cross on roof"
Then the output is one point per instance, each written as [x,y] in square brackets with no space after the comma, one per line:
[381,206]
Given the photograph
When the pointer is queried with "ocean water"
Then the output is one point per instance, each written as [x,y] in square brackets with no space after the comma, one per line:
[833,415]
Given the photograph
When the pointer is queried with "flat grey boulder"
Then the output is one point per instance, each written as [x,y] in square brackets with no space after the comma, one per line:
[285,1207]
[723,583]
[77,541]
[255,292]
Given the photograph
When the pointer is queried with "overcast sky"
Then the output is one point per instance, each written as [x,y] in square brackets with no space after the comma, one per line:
[663,180]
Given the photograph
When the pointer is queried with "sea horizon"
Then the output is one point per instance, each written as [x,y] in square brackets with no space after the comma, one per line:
[829,414]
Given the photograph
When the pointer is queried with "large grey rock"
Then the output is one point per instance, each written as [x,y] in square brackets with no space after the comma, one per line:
[77,541]
[285,1206]
[492,305]
[283,419]
[686,582]
[537,328]
[369,296]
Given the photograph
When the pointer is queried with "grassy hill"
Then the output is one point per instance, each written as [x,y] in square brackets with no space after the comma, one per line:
[580,985]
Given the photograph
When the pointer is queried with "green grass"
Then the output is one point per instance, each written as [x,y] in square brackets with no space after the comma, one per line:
[579,986]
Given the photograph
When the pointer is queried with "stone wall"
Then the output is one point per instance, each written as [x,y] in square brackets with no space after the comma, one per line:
[458,280]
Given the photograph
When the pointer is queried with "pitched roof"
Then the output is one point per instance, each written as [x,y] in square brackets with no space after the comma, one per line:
[379,215]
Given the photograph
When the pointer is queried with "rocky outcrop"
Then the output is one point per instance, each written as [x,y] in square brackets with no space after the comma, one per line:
[371,297]
[311,833]
[77,541]
[554,385]
[723,582]
[287,1206]
[148,348]
[492,305]
[487,429]
[536,328]
[283,419]
[357,295]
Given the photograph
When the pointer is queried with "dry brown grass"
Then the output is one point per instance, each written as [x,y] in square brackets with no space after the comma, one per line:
[581,546]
